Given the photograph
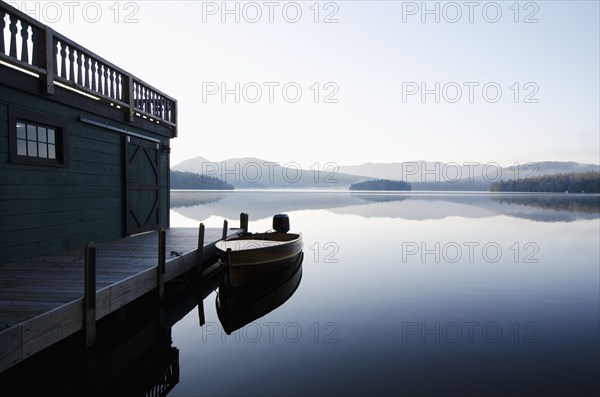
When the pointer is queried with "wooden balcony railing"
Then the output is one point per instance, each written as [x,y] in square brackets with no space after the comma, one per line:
[34,47]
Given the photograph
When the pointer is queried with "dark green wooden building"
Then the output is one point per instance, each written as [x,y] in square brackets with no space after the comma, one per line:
[84,145]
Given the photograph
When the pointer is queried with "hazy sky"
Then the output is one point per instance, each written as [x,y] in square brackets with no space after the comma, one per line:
[515,82]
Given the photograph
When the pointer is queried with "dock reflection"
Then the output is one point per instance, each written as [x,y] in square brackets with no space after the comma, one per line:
[239,306]
[134,354]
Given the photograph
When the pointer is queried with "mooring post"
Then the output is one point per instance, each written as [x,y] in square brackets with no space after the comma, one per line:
[200,251]
[201,317]
[89,306]
[229,251]
[244,222]
[224,230]
[162,243]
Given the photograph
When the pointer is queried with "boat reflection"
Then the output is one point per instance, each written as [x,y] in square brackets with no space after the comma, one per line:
[238,306]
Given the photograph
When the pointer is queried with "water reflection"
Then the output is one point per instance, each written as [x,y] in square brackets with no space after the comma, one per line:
[563,202]
[201,205]
[183,198]
[134,354]
[239,306]
[380,198]
[391,284]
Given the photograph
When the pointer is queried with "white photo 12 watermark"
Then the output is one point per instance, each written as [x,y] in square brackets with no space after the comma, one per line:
[269,172]
[468,171]
[79,11]
[269,92]
[469,91]
[272,332]
[468,251]
[269,11]
[469,332]
[470,11]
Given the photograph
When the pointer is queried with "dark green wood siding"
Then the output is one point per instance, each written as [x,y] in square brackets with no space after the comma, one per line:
[49,208]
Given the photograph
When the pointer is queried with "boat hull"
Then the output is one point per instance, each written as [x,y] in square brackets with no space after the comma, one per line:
[252,256]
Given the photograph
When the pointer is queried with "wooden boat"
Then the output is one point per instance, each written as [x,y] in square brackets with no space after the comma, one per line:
[239,306]
[251,255]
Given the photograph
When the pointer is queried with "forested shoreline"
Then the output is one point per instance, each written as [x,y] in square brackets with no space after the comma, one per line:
[584,182]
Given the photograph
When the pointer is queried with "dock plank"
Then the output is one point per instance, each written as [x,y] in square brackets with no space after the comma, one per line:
[11,344]
[41,298]
[51,327]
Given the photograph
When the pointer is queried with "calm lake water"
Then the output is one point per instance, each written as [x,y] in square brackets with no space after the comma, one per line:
[409,294]
[399,294]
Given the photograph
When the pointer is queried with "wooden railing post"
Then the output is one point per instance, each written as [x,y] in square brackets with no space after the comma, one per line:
[162,242]
[244,222]
[174,116]
[89,305]
[200,251]
[49,58]
[2,25]
[130,97]
[224,237]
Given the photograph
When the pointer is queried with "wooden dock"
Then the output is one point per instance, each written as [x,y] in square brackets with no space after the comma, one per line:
[42,299]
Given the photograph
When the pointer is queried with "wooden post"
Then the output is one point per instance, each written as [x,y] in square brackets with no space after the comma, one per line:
[174,116]
[199,262]
[162,242]
[201,317]
[89,306]
[224,230]
[244,222]
[229,251]
[200,251]
[50,60]
[130,97]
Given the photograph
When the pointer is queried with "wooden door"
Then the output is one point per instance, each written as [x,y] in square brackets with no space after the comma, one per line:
[142,185]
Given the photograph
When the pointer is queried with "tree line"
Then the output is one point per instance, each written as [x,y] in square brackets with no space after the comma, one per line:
[381,184]
[191,180]
[575,182]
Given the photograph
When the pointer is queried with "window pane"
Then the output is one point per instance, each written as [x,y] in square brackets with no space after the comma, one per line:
[31,135]
[31,148]
[36,141]
[21,147]
[20,130]
[41,134]
[51,152]
[42,150]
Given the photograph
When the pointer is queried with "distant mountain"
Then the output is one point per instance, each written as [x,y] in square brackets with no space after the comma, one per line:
[430,172]
[191,165]
[255,173]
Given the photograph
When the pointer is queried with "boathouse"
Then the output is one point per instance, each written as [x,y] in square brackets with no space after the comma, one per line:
[84,145]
